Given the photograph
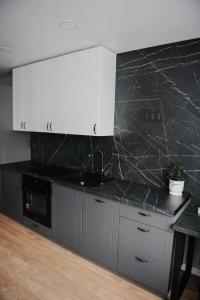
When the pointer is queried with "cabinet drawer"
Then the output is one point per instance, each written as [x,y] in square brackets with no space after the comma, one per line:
[146,217]
[37,227]
[145,239]
[144,269]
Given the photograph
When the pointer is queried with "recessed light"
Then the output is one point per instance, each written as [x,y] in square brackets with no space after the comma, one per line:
[68,25]
[4,49]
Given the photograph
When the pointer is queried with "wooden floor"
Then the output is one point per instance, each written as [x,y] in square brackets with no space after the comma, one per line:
[32,267]
[191,291]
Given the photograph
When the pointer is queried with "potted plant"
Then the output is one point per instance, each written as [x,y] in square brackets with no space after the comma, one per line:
[176,175]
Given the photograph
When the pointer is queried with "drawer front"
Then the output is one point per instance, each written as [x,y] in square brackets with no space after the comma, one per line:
[147,217]
[145,239]
[144,269]
[45,231]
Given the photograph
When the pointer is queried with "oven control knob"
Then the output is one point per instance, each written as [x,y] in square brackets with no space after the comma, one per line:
[27,206]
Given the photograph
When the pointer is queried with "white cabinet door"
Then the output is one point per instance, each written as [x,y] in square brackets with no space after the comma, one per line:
[42,96]
[83,89]
[59,100]
[92,92]
[18,108]
[23,90]
[28,97]
[50,99]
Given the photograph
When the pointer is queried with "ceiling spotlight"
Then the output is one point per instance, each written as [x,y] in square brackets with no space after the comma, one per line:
[68,25]
[4,49]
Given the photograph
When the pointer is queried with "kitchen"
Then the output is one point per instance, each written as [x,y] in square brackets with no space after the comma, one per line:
[102,195]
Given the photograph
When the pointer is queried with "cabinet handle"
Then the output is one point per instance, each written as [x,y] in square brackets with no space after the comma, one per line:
[99,201]
[143,214]
[50,126]
[143,230]
[94,128]
[141,260]
[47,126]
[20,181]
[22,125]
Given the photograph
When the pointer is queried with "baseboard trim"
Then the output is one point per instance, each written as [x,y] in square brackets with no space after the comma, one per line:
[194,271]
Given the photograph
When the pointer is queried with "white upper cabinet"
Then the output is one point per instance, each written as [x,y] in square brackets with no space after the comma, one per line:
[92,92]
[71,94]
[23,87]
[50,106]
[83,101]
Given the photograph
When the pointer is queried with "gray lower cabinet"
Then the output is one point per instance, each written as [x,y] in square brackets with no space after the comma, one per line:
[158,220]
[100,230]
[142,268]
[39,228]
[134,242]
[11,194]
[67,217]
[87,224]
[145,252]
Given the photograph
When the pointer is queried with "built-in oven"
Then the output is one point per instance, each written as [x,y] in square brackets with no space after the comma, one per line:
[37,200]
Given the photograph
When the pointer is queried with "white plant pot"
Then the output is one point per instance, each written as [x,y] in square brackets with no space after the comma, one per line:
[176,187]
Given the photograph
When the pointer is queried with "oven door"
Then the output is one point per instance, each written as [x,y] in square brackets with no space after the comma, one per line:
[37,206]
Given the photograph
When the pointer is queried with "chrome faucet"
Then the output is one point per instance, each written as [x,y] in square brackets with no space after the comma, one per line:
[102,162]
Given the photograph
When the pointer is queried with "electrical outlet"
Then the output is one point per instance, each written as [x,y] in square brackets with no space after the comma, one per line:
[153,116]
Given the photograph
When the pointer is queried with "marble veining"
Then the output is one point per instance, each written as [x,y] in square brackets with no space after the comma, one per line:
[157,114]
[73,151]
[157,121]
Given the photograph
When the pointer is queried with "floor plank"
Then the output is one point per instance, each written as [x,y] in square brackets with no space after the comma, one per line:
[191,291]
[34,268]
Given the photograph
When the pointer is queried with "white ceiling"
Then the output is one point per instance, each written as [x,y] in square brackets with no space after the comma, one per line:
[30,27]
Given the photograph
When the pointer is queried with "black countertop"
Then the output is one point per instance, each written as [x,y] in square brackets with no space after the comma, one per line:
[189,222]
[130,193]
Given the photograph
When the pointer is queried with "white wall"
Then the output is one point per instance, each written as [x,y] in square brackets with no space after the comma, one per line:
[14,146]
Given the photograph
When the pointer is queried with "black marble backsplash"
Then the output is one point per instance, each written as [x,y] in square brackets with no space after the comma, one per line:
[157,120]
[73,151]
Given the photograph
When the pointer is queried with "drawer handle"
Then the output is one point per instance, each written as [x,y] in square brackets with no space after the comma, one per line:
[143,214]
[50,126]
[143,230]
[99,201]
[141,260]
